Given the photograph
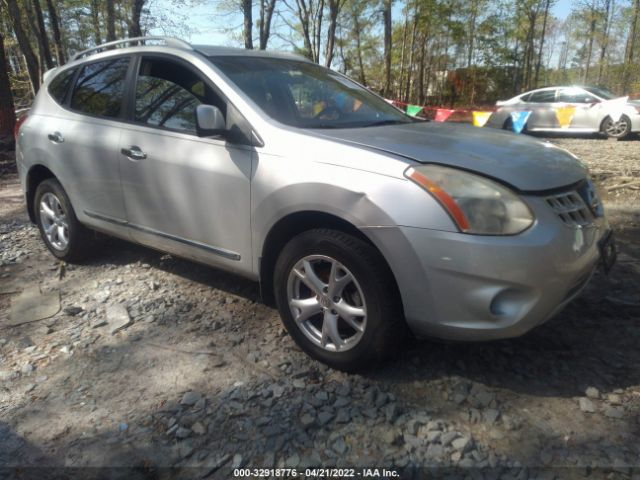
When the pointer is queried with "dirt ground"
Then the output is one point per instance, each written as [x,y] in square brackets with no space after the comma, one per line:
[205,379]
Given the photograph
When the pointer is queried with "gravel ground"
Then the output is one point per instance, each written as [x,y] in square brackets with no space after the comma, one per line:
[155,362]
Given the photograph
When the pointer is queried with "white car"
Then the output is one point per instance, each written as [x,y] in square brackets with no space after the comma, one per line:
[596,110]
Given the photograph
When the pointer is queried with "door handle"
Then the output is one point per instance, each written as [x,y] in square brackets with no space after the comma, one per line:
[133,153]
[56,137]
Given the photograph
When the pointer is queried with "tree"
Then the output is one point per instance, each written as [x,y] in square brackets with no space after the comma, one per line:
[25,46]
[111,21]
[266,15]
[7,108]
[57,37]
[247,13]
[134,25]
[386,16]
[334,9]
[41,34]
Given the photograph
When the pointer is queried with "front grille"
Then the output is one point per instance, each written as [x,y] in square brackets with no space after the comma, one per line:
[571,209]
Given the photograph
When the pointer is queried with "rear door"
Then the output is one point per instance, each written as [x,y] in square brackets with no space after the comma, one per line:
[91,134]
[541,103]
[185,194]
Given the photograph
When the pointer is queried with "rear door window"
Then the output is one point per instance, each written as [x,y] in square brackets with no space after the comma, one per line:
[544,96]
[573,95]
[60,85]
[100,88]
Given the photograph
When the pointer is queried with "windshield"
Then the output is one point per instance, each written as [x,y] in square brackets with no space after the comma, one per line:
[599,92]
[306,95]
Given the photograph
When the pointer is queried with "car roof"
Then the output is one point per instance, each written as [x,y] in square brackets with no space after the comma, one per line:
[219,51]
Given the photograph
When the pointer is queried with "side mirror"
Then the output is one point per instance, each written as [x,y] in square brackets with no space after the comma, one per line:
[209,121]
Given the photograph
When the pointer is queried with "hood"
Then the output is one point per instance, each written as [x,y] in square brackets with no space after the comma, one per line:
[525,163]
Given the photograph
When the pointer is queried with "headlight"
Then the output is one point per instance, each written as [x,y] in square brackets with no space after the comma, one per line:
[476,204]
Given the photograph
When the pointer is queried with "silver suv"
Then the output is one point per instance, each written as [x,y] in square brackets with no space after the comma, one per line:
[357,220]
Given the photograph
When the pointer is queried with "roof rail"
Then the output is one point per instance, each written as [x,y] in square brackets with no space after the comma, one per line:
[169,41]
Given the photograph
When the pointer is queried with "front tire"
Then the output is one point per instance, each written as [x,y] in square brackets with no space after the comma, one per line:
[65,237]
[619,129]
[338,300]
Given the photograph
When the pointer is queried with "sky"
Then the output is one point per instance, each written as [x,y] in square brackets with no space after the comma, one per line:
[209,25]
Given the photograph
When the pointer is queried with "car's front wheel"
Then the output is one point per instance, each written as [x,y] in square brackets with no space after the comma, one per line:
[65,237]
[338,300]
[619,129]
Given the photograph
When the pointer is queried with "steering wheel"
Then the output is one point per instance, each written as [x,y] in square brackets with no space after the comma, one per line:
[327,110]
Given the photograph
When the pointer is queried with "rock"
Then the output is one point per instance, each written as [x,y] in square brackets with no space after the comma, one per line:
[29,388]
[592,392]
[448,437]
[27,368]
[198,428]
[73,310]
[614,399]
[339,446]
[491,416]
[483,399]
[391,412]
[182,432]
[343,416]
[118,318]
[325,417]
[462,444]
[190,398]
[238,461]
[587,405]
[293,461]
[434,452]
[393,437]
[614,412]
[307,420]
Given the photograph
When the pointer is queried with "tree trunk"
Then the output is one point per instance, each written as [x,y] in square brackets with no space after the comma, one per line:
[43,39]
[247,13]
[403,52]
[317,22]
[472,30]
[55,26]
[542,35]
[356,33]
[111,21]
[386,15]
[630,51]
[136,12]
[7,107]
[609,9]
[334,11]
[592,30]
[25,46]
[266,14]
[95,21]
[407,93]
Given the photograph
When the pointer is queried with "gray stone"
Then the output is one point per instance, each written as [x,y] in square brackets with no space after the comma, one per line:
[325,417]
[339,446]
[448,437]
[614,412]
[592,392]
[185,449]
[73,310]
[391,412]
[293,461]
[614,399]
[118,318]
[462,444]
[27,368]
[343,416]
[434,452]
[491,416]
[198,428]
[237,461]
[190,398]
[182,432]
[307,420]
[587,405]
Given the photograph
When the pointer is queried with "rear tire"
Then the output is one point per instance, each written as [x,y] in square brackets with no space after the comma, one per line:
[347,310]
[619,129]
[65,237]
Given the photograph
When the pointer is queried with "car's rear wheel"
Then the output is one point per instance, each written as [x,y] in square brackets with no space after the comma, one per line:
[619,129]
[338,300]
[61,231]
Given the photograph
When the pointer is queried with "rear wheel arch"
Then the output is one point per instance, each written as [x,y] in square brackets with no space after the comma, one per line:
[294,224]
[36,175]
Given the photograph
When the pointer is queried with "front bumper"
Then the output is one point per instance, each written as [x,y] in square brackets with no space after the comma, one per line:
[470,287]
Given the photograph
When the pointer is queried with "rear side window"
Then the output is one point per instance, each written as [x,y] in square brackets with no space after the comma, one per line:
[60,85]
[545,96]
[100,87]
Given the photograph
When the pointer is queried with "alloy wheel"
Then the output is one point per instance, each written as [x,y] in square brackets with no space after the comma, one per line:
[327,303]
[616,129]
[54,221]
